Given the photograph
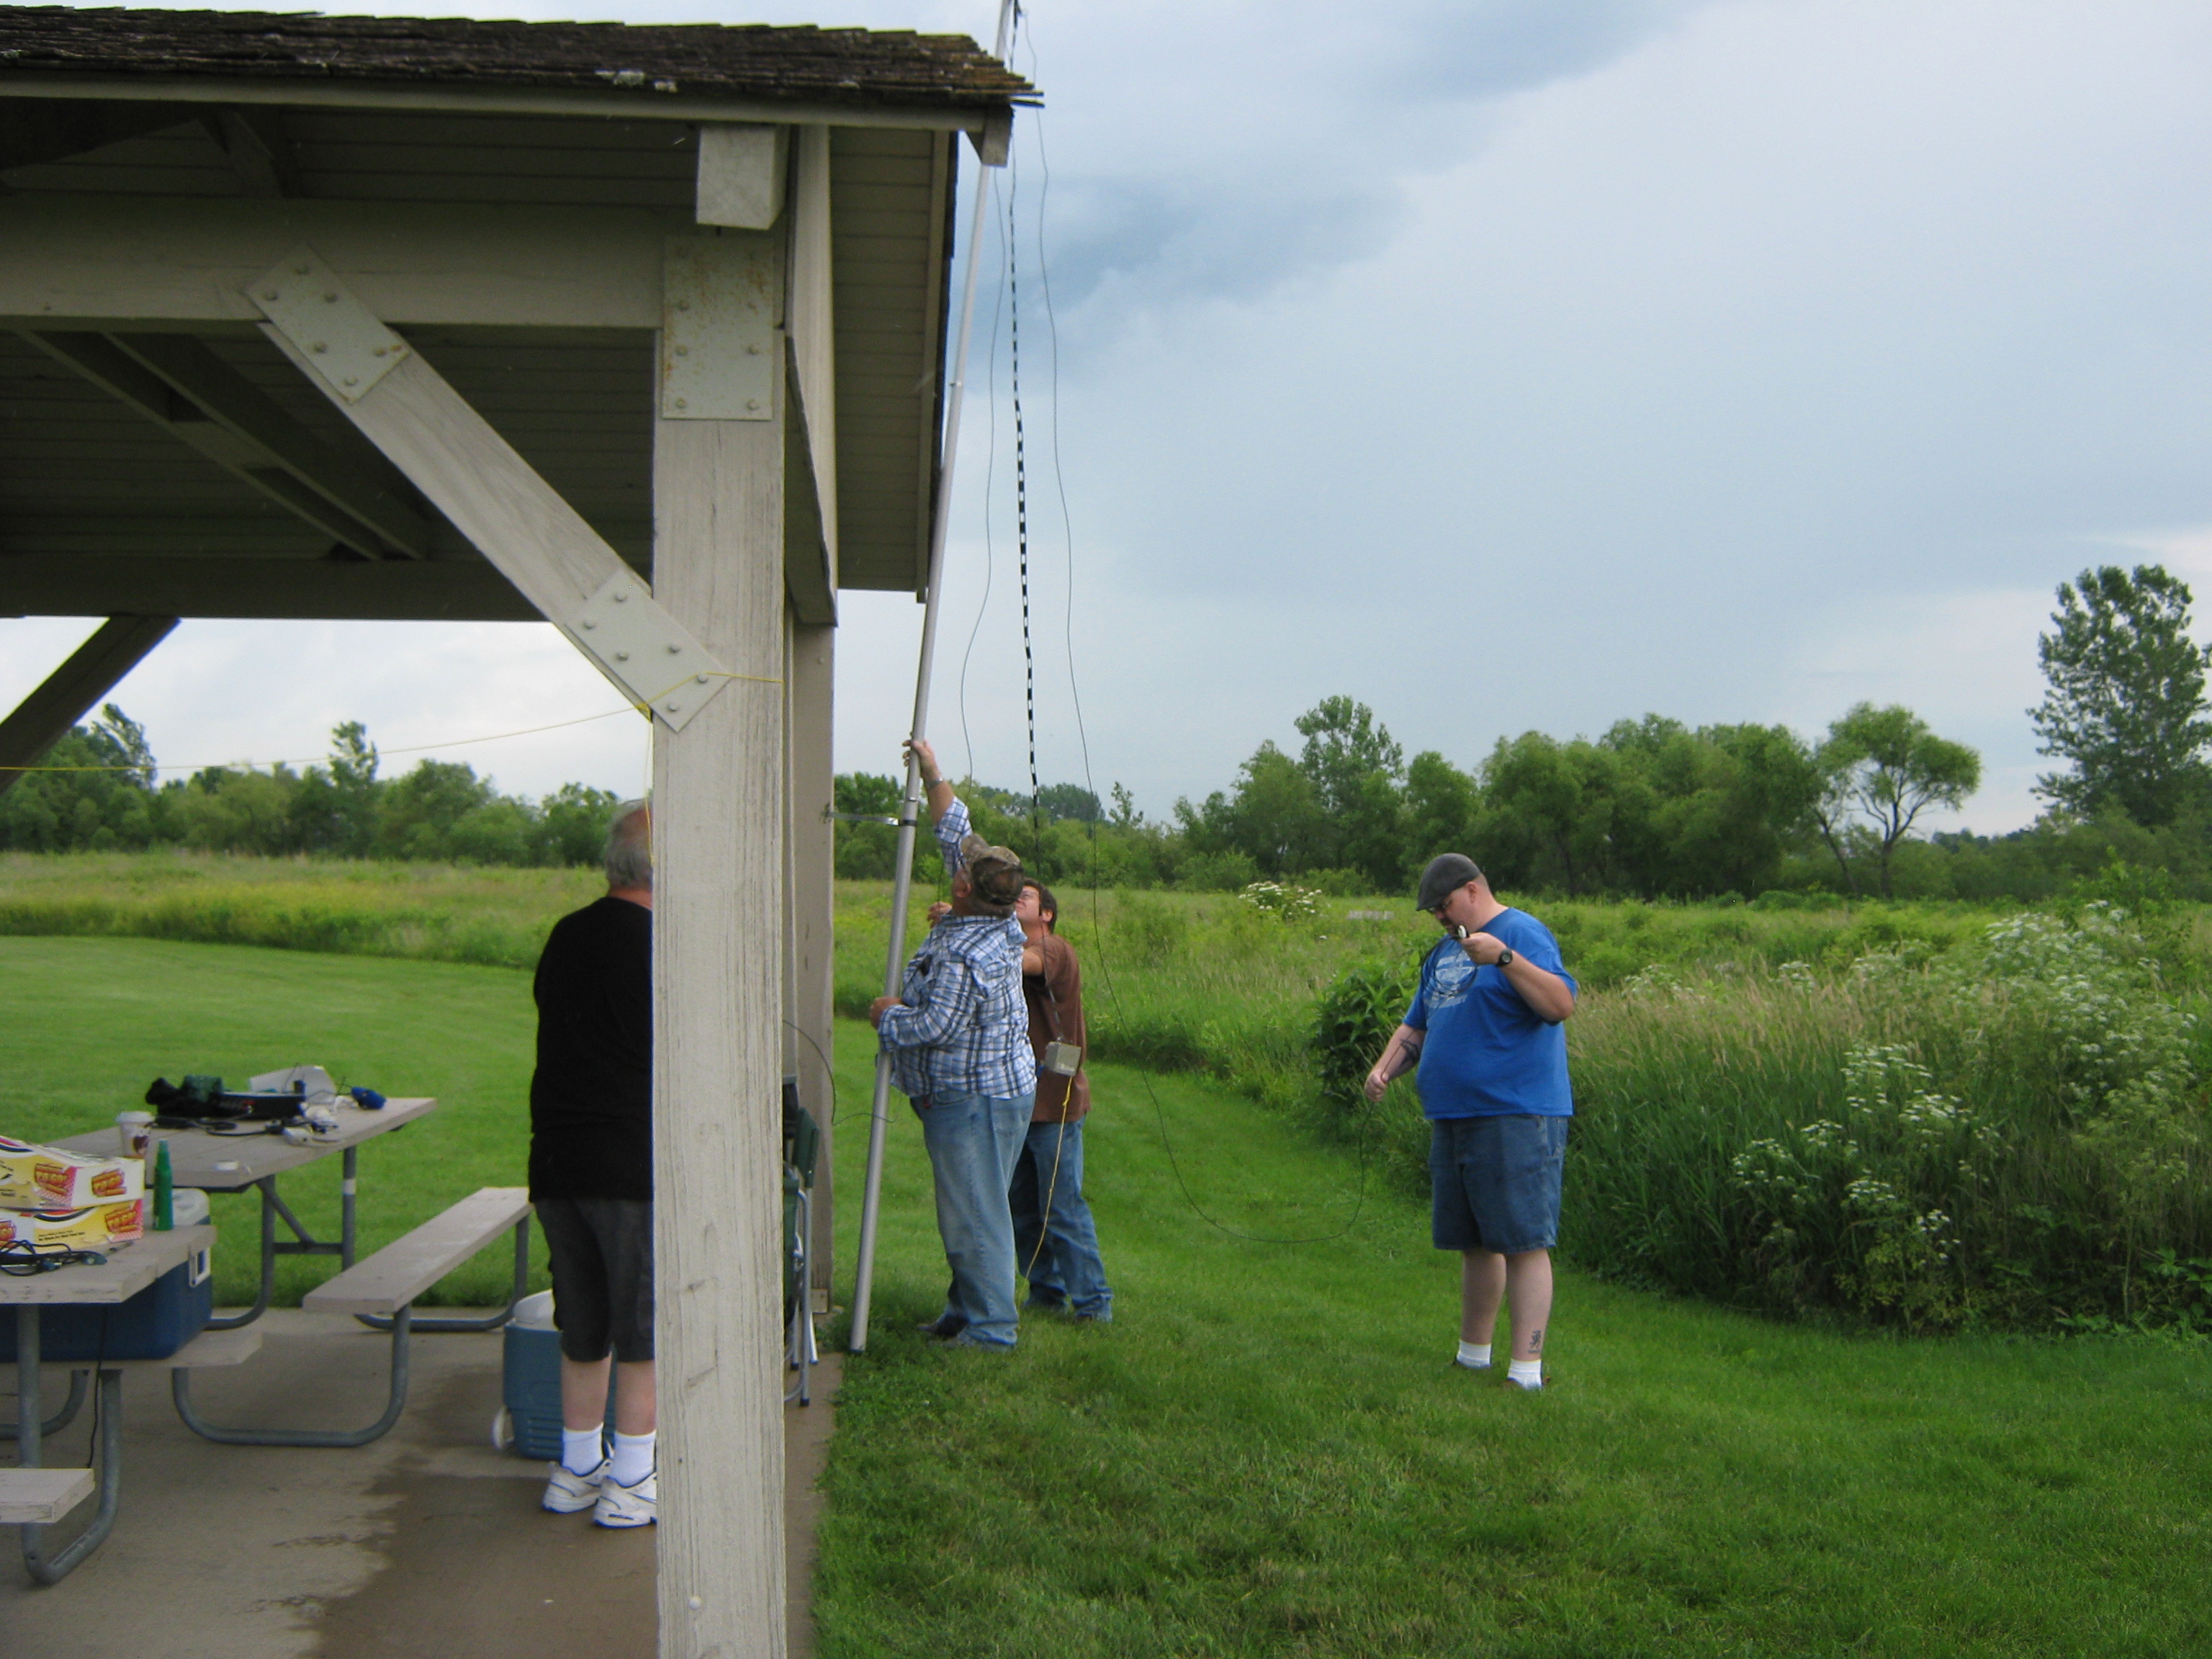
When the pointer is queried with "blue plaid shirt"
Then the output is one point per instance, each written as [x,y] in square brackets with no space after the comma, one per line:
[961,1026]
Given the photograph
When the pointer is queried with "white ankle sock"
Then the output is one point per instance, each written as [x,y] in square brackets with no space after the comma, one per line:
[633,1459]
[1476,1356]
[579,1449]
[1529,1373]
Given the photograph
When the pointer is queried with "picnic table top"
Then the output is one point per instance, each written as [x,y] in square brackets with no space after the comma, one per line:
[230,1164]
[129,1269]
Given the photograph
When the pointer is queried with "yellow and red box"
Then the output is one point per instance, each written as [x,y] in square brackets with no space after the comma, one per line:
[33,1177]
[94,1227]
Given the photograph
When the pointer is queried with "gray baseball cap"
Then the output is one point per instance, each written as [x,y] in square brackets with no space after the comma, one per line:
[1446,874]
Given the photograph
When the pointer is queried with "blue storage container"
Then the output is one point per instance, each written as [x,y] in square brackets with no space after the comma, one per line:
[532,1388]
[152,1325]
[531,1381]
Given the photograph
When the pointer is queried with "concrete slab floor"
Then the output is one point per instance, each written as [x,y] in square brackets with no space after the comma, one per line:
[427,1544]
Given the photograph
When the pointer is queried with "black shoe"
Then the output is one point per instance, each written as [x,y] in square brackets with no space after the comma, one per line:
[944,1328]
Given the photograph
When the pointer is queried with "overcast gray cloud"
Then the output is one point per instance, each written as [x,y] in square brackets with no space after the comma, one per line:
[1509,366]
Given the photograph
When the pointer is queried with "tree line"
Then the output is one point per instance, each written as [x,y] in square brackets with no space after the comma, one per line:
[1656,808]
[102,791]
[1651,808]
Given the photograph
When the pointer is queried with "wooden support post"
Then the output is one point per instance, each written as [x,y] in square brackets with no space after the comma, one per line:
[813,907]
[718,835]
[68,694]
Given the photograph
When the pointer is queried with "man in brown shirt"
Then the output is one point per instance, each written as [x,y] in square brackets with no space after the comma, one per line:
[1056,1240]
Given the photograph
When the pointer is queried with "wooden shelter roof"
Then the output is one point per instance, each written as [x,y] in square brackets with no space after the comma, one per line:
[502,193]
[797,63]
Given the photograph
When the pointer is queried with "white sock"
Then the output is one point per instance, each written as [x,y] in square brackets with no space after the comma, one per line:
[633,1458]
[1476,1356]
[1529,1373]
[579,1449]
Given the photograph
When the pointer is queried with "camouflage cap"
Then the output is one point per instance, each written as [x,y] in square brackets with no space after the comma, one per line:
[993,873]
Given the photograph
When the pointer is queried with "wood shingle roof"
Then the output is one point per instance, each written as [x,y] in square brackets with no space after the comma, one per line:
[801,64]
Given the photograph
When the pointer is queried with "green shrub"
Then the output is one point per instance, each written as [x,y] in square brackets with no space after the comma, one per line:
[2010,1133]
[1352,1019]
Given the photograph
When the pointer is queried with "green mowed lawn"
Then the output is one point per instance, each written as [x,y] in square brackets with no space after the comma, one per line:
[86,1023]
[1267,1452]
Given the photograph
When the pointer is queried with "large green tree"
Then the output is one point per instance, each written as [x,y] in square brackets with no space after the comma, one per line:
[2126,698]
[1885,766]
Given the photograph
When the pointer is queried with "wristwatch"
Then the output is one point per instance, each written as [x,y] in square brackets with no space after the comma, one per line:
[1504,959]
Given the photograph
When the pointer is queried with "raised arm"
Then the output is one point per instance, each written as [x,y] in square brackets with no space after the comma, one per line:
[940,792]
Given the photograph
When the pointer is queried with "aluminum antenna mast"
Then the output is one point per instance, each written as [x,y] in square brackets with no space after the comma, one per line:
[864,1271]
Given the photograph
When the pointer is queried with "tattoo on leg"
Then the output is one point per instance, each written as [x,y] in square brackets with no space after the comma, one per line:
[1536,1340]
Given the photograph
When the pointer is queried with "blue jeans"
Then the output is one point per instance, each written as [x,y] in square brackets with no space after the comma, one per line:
[1049,1204]
[973,1140]
[1494,1182]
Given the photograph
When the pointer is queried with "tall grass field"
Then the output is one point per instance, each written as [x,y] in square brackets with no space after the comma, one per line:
[1929,1116]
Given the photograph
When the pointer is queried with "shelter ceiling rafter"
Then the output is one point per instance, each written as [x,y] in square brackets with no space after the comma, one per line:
[177,383]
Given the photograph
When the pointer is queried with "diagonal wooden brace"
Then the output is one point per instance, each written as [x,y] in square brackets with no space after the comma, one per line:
[515,518]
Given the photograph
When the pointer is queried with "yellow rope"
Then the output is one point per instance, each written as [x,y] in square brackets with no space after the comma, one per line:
[644,709]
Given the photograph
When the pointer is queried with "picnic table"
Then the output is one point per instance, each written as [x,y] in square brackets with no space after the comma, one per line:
[31,1495]
[218,1163]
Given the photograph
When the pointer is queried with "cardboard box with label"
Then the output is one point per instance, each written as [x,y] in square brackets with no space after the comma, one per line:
[35,1177]
[94,1227]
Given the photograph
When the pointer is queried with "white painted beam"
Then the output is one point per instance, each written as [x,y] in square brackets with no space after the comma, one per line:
[389,590]
[741,171]
[486,490]
[718,854]
[124,261]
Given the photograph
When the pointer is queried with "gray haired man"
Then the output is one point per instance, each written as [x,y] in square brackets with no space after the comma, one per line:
[591,1179]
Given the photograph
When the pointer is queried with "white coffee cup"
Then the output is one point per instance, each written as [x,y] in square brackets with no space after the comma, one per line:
[136,1130]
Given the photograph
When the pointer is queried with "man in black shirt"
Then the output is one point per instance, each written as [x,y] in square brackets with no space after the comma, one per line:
[591,1179]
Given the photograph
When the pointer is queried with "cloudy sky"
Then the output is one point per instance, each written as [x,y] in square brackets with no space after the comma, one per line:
[1501,363]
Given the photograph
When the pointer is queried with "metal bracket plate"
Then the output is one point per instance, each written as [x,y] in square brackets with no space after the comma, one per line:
[646,652]
[719,357]
[337,337]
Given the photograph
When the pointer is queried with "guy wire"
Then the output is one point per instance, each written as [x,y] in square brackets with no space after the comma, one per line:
[1097,931]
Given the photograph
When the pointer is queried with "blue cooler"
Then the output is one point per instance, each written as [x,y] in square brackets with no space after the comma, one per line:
[531,1382]
[152,1325]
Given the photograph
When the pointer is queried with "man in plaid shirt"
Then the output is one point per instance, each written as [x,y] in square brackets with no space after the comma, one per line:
[958,1036]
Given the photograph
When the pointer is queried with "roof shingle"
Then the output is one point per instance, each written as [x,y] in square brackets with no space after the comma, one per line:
[797,63]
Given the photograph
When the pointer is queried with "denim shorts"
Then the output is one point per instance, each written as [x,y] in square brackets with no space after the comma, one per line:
[1494,1182]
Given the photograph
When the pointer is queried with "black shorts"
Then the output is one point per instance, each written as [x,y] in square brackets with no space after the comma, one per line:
[602,1261]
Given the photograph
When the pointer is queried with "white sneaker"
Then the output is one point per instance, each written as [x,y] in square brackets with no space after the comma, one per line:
[629,1506]
[567,1491]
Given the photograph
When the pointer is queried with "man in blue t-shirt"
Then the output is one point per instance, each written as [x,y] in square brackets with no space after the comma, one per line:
[1484,1030]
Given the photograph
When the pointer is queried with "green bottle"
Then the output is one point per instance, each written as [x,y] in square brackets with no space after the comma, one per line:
[165,1192]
